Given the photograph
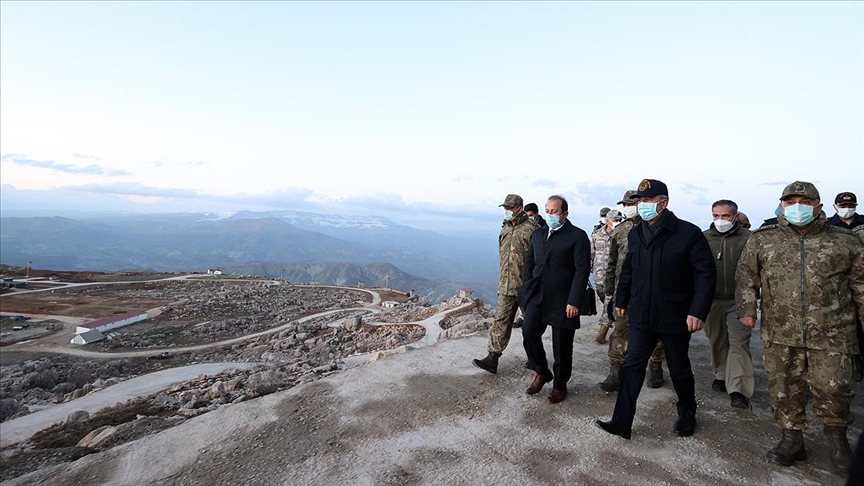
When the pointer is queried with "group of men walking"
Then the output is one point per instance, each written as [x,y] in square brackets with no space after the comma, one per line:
[660,279]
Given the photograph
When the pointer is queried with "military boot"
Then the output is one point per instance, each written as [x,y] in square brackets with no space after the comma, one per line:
[489,363]
[655,375]
[841,453]
[613,380]
[790,448]
[600,337]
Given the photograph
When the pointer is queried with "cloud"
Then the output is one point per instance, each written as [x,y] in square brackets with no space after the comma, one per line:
[86,157]
[692,188]
[134,189]
[20,159]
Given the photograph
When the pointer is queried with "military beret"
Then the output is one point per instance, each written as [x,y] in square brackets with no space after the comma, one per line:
[846,197]
[603,212]
[651,188]
[512,201]
[629,198]
[799,188]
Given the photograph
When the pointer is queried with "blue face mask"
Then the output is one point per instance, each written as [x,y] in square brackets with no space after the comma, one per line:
[798,214]
[647,210]
[553,220]
[779,210]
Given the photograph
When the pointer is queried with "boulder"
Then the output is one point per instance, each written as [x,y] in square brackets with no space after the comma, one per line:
[78,416]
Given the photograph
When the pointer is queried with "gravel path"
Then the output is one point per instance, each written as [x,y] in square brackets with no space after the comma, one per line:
[22,428]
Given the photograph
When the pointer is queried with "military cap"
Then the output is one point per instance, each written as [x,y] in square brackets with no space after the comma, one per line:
[630,197]
[603,212]
[846,197]
[614,214]
[651,188]
[512,201]
[799,188]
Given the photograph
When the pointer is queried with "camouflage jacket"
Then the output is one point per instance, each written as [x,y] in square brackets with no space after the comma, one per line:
[512,247]
[600,242]
[618,251]
[726,249]
[811,285]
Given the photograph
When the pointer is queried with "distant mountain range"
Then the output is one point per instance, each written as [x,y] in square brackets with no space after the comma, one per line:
[310,247]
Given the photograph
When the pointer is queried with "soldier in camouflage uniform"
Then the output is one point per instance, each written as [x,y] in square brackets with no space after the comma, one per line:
[618,338]
[512,246]
[599,264]
[811,279]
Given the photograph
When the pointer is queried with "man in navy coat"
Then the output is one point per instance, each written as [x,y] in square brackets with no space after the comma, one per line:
[554,280]
[668,283]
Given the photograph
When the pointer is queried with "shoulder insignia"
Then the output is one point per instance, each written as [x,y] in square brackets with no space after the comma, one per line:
[764,228]
[840,229]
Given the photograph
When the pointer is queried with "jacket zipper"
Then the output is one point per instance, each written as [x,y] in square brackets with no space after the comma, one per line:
[803,290]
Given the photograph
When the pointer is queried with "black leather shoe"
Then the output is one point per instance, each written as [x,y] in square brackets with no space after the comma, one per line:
[719,386]
[685,428]
[739,401]
[613,428]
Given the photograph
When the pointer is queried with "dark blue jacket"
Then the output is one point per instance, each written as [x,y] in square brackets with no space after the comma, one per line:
[669,279]
[555,273]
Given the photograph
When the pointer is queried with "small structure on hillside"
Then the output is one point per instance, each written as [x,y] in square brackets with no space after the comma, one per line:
[113,322]
[389,303]
[214,271]
[466,293]
[361,284]
[88,337]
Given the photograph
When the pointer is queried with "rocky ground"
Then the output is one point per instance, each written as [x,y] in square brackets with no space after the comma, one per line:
[430,417]
[304,351]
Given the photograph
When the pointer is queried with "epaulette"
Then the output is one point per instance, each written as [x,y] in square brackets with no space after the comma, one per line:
[840,229]
[768,227]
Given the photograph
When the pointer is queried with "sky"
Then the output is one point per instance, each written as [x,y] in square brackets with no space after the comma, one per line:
[427,113]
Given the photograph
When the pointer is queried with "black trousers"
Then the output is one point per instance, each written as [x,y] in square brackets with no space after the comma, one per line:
[562,347]
[640,345]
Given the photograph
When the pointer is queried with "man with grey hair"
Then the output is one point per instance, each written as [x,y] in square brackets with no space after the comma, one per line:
[731,360]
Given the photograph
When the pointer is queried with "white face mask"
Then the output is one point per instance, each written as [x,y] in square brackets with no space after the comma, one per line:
[845,213]
[629,211]
[615,224]
[508,215]
[722,225]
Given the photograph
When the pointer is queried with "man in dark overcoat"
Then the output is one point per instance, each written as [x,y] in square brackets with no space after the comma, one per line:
[554,280]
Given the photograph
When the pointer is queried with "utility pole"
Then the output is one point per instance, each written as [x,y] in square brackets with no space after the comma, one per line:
[387,282]
[282,274]
[28,268]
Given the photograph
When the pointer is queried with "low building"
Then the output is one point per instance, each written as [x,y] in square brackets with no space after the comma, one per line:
[113,322]
[389,303]
[466,293]
[88,337]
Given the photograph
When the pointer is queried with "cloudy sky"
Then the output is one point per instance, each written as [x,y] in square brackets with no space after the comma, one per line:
[428,113]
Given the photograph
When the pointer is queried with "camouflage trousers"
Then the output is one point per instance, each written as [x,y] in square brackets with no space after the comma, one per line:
[601,310]
[618,342]
[829,376]
[502,327]
[731,360]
